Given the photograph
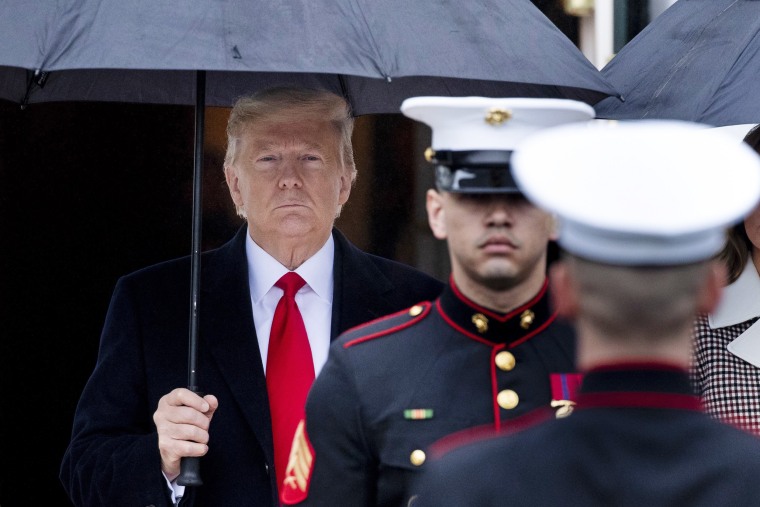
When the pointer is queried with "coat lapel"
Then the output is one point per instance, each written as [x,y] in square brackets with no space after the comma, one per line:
[361,291]
[747,345]
[229,333]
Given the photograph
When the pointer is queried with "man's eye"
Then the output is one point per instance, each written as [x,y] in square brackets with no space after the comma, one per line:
[312,158]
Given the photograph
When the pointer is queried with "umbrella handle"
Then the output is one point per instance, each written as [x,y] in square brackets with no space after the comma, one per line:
[190,471]
[190,466]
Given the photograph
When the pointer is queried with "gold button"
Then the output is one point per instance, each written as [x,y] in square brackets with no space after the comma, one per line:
[507,399]
[505,360]
[417,457]
[415,310]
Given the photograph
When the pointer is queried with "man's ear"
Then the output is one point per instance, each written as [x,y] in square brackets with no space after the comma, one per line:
[347,179]
[436,213]
[563,290]
[712,288]
[553,227]
[230,174]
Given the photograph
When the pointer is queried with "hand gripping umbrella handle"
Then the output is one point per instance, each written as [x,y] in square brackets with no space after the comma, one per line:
[190,466]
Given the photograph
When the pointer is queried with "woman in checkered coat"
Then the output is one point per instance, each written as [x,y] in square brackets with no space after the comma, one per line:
[727,342]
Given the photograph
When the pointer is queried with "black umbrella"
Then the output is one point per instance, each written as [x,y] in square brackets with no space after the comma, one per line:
[376,53]
[136,51]
[697,61]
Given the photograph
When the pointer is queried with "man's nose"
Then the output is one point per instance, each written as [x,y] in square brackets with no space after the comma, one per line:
[500,213]
[290,176]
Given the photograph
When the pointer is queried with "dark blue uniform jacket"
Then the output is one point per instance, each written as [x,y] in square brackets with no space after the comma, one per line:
[395,386]
[637,437]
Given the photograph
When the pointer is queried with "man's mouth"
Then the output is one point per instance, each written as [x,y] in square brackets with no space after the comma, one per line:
[496,244]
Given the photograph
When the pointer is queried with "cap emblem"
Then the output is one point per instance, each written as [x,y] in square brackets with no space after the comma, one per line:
[429,154]
[497,116]
[481,322]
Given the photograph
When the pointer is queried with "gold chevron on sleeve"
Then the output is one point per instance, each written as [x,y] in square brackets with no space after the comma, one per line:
[298,471]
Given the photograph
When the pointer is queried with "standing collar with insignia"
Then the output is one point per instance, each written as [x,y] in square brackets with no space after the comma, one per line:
[492,327]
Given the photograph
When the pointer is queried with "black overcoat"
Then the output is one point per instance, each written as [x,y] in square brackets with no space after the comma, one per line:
[113,457]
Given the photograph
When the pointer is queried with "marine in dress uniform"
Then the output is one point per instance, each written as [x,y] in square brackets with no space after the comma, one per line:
[394,386]
[640,202]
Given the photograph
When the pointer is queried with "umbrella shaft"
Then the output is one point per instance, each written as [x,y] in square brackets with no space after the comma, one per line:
[200,108]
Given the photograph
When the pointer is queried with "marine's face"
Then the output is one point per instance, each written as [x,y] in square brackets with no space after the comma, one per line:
[495,240]
[290,179]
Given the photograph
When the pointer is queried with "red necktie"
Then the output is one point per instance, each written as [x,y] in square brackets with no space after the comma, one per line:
[290,370]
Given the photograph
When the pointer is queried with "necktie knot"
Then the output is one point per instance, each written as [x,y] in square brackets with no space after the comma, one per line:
[291,282]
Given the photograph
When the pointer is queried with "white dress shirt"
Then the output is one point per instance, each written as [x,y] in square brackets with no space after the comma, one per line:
[314,299]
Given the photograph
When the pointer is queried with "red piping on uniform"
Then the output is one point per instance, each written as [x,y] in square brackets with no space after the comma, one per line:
[494,388]
[490,313]
[458,328]
[487,342]
[639,365]
[426,306]
[639,400]
[534,332]
[484,432]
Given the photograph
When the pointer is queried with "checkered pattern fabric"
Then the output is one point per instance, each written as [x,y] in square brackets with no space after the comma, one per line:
[728,385]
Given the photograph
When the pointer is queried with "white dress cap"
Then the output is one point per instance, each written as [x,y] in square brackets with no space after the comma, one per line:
[648,192]
[482,123]
[736,131]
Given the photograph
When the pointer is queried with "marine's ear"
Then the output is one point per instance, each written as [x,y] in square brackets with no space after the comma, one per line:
[436,213]
[563,290]
[712,288]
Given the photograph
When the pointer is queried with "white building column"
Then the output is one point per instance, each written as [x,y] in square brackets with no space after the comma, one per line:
[597,26]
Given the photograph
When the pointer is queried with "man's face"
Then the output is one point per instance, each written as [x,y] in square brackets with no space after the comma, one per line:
[290,179]
[495,240]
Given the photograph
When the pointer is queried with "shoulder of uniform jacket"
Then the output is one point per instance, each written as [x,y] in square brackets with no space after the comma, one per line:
[386,325]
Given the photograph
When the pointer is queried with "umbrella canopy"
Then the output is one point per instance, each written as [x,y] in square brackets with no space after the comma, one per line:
[374,52]
[697,61]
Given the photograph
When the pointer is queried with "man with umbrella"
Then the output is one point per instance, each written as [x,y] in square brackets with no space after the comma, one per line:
[485,352]
[643,216]
[287,275]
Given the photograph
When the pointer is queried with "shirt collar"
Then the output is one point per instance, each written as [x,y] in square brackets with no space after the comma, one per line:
[264,270]
[740,301]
